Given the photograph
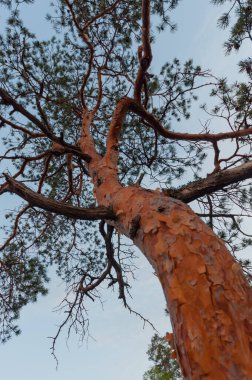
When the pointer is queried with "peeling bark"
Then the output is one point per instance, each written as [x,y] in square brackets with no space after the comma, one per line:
[209,299]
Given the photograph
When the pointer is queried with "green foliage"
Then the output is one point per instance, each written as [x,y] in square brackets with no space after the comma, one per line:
[242,22]
[165,367]
[21,282]
[48,79]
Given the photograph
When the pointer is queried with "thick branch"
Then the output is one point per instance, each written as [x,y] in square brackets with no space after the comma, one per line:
[115,129]
[128,104]
[145,54]
[86,142]
[56,207]
[212,183]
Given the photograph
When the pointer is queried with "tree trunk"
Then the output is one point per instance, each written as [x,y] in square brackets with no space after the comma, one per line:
[209,299]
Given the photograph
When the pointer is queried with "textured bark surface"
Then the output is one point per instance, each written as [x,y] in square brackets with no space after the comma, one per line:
[209,300]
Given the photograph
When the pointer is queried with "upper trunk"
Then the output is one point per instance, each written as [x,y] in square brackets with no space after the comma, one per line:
[209,299]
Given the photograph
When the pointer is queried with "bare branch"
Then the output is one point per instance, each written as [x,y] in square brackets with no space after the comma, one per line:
[21,129]
[128,104]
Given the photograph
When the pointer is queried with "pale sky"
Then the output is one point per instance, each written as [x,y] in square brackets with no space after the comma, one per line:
[117,348]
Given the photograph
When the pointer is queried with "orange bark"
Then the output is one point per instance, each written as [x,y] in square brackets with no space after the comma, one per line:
[209,300]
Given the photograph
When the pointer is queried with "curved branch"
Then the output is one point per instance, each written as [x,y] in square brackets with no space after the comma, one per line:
[155,124]
[101,14]
[128,104]
[212,183]
[8,99]
[20,128]
[15,228]
[88,288]
[60,208]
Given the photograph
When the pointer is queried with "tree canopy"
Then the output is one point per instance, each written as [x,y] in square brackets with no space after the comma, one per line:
[63,96]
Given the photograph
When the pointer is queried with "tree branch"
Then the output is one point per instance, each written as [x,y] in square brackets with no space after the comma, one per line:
[8,99]
[60,208]
[155,124]
[86,141]
[101,14]
[115,129]
[128,104]
[212,183]
[144,52]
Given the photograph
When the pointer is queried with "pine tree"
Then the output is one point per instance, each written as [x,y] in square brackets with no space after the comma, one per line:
[86,128]
[165,366]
